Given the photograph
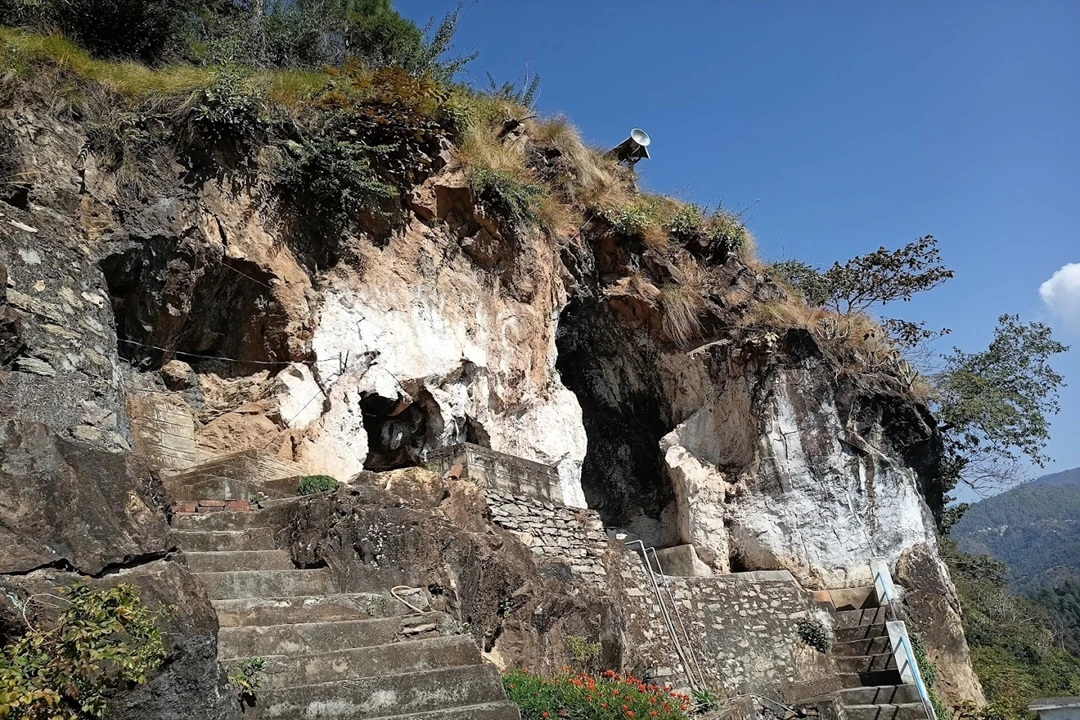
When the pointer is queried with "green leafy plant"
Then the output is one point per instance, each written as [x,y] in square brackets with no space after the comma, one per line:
[231,107]
[814,633]
[514,201]
[246,677]
[335,175]
[608,697]
[725,228]
[687,223]
[312,484]
[524,95]
[633,219]
[705,700]
[584,655]
[102,641]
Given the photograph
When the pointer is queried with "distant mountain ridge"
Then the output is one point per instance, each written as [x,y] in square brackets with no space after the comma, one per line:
[1034,528]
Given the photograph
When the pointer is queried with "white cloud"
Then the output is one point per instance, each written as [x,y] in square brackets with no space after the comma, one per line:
[1061,295]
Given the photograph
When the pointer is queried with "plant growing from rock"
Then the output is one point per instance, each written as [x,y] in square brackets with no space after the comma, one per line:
[608,697]
[102,641]
[511,199]
[814,633]
[584,655]
[705,700]
[246,677]
[312,484]
[336,176]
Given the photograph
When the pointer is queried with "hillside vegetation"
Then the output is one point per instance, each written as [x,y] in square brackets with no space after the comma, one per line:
[1033,528]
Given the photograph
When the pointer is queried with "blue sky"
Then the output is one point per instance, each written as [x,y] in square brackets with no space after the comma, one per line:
[837,127]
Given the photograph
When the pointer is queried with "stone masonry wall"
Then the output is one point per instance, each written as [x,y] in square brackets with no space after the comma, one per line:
[497,471]
[573,536]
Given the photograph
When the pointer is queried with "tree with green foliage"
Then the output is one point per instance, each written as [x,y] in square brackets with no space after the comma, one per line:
[878,278]
[994,405]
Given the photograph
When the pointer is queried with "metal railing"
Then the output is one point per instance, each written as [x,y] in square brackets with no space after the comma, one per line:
[912,666]
[666,615]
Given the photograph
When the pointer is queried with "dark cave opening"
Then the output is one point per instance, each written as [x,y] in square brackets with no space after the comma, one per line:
[612,370]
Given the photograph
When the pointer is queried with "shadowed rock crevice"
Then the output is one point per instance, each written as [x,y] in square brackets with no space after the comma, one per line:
[612,371]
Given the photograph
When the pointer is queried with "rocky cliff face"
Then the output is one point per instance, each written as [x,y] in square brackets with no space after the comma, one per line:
[188,319]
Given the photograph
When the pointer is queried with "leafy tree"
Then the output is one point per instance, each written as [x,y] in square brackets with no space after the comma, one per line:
[885,276]
[994,405]
[877,278]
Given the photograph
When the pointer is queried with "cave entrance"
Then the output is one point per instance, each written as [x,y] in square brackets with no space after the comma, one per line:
[612,370]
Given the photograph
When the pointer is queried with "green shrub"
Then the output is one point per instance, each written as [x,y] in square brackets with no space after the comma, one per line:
[687,223]
[103,641]
[705,700]
[336,176]
[584,655]
[633,219]
[608,697]
[232,108]
[247,676]
[512,200]
[726,229]
[814,633]
[312,484]
[810,283]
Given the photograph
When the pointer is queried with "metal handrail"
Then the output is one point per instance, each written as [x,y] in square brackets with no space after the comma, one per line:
[666,579]
[667,617]
[909,655]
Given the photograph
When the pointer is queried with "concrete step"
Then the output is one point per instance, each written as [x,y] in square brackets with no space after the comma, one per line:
[261,538]
[354,664]
[865,616]
[488,711]
[909,711]
[306,609]
[870,646]
[864,632]
[225,520]
[231,560]
[866,663]
[266,583]
[211,487]
[381,697]
[881,695]
[325,637]
[870,679]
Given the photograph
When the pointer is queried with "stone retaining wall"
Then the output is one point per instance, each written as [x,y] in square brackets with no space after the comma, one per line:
[497,471]
[554,531]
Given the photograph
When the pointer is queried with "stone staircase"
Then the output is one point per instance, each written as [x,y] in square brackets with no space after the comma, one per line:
[873,688]
[330,655]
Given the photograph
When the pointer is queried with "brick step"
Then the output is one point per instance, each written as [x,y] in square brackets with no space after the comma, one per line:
[488,711]
[259,538]
[325,637]
[909,711]
[866,663]
[233,560]
[870,646]
[864,632]
[284,671]
[381,697]
[266,583]
[221,521]
[306,609]
[859,618]
[870,679]
[881,695]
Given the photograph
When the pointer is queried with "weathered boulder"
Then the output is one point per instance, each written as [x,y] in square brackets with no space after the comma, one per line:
[69,505]
[933,607]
